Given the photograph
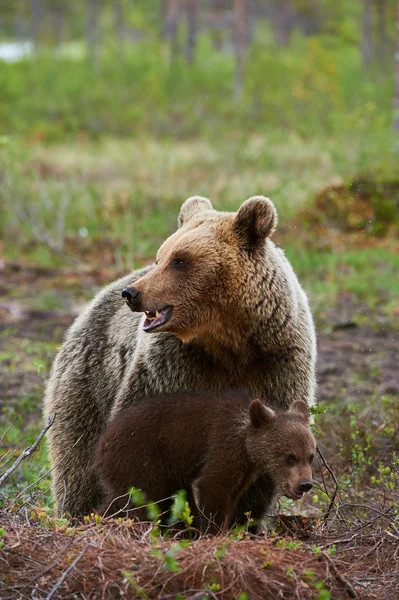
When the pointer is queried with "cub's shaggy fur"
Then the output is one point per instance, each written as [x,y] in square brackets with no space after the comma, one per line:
[224,310]
[213,446]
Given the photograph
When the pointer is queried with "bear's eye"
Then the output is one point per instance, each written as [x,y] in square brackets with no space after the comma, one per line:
[311,458]
[178,262]
[291,459]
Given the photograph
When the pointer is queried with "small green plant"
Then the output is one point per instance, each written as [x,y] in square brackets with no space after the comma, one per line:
[289,544]
[153,511]
[317,550]
[213,587]
[323,594]
[361,443]
[138,591]
[290,573]
[2,532]
[331,550]
[309,575]
[137,496]
[180,510]
[170,560]
[221,551]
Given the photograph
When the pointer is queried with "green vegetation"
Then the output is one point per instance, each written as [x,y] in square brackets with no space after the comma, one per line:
[306,87]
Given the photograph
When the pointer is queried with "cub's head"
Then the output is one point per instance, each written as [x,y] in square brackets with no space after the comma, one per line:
[282,445]
[201,272]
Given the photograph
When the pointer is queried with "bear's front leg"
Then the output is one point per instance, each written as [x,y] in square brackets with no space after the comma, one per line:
[215,505]
[257,502]
[75,485]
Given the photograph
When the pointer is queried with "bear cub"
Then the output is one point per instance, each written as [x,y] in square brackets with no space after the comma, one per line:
[213,446]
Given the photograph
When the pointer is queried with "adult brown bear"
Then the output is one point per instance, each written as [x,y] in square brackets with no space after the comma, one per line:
[220,308]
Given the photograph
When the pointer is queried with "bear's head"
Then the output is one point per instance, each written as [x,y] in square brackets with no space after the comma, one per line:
[281,445]
[203,271]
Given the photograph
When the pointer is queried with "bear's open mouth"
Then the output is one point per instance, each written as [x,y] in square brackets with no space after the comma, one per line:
[292,495]
[154,319]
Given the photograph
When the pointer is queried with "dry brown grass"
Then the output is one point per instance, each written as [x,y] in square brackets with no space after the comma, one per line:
[120,558]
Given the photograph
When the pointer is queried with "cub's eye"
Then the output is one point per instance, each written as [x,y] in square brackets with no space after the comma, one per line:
[291,459]
[178,262]
[311,458]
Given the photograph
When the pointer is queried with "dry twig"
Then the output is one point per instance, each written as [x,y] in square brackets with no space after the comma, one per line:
[27,452]
[343,581]
[66,573]
[331,472]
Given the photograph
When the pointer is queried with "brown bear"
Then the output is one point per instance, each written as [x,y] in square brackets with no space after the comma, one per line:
[221,308]
[213,446]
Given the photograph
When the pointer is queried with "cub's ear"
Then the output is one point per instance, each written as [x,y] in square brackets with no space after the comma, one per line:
[193,206]
[255,220]
[260,414]
[300,407]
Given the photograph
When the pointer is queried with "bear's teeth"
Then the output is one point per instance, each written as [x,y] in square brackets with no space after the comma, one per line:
[157,314]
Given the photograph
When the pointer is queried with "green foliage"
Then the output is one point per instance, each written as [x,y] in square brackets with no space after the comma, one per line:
[138,591]
[170,559]
[180,510]
[214,587]
[308,88]
[289,544]
[221,551]
[137,497]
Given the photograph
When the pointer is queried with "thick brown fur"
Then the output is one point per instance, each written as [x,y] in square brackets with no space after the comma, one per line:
[212,445]
[239,319]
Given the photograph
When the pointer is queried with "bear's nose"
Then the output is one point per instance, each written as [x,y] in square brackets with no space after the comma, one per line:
[131,295]
[305,486]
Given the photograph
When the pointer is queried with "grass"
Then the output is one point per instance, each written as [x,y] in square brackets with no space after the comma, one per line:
[127,194]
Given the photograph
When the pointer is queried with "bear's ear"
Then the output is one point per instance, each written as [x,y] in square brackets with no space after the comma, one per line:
[255,220]
[260,414]
[193,206]
[300,407]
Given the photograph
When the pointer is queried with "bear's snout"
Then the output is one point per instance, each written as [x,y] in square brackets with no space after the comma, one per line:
[132,297]
[304,486]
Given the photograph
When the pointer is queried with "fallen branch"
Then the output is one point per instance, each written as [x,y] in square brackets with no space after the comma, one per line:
[27,452]
[331,472]
[342,580]
[66,573]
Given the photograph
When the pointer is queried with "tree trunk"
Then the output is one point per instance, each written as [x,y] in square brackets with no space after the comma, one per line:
[171,25]
[191,13]
[282,17]
[119,25]
[396,97]
[94,9]
[367,44]
[59,22]
[36,20]
[239,33]
[382,29]
[119,21]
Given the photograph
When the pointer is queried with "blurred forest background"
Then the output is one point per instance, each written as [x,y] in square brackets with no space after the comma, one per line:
[112,113]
